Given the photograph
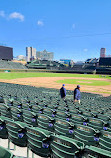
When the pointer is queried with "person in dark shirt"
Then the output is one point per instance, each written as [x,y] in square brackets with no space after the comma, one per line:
[63,91]
[77,94]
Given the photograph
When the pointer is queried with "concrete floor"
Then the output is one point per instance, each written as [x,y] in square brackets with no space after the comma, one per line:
[20,151]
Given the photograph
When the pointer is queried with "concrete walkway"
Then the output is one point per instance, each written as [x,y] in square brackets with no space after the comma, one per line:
[20,151]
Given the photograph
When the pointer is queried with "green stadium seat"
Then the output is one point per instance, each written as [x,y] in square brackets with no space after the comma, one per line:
[16,114]
[36,109]
[64,147]
[3,129]
[38,141]
[5,110]
[1,99]
[95,152]
[16,133]
[45,122]
[5,153]
[79,119]
[96,123]
[30,117]
[85,134]
[63,127]
[105,140]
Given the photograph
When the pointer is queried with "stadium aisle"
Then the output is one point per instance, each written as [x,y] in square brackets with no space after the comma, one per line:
[19,151]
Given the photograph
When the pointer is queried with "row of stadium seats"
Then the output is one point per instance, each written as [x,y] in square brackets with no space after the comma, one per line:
[11,65]
[29,113]
[87,126]
[44,143]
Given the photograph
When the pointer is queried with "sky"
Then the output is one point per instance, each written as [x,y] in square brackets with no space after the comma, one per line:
[72,29]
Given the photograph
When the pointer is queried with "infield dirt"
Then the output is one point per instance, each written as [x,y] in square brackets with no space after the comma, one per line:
[50,82]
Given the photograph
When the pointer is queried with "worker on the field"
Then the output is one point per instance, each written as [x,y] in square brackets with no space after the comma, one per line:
[77,94]
[63,91]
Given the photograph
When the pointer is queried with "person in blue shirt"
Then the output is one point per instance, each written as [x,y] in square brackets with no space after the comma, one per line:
[63,91]
[77,94]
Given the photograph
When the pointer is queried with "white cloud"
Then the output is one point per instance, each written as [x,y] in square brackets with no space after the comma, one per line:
[2,13]
[16,15]
[73,26]
[40,23]
[85,49]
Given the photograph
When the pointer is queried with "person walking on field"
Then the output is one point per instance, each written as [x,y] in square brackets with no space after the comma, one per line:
[77,94]
[63,91]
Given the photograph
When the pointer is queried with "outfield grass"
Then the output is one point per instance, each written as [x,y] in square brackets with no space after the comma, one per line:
[13,75]
[84,82]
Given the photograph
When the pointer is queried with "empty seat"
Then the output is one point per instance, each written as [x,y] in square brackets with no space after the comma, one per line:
[5,110]
[85,134]
[16,114]
[79,119]
[105,140]
[63,127]
[45,122]
[3,129]
[16,133]
[65,147]
[5,153]
[30,117]
[38,141]
[96,123]
[95,152]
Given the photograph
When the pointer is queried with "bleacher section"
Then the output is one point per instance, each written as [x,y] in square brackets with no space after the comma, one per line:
[37,118]
[11,65]
[44,64]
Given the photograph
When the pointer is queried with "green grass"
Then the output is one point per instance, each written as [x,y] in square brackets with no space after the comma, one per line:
[102,92]
[13,75]
[84,82]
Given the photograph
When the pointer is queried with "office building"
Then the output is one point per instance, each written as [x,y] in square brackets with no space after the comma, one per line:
[102,52]
[21,57]
[45,55]
[6,53]
[30,54]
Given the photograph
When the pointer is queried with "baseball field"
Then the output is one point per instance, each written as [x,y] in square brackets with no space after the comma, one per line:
[100,84]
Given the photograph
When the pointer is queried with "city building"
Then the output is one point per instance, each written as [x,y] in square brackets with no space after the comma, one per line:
[30,54]
[45,55]
[6,53]
[102,52]
[21,57]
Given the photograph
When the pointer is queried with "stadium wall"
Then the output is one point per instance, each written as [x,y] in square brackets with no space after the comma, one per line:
[46,70]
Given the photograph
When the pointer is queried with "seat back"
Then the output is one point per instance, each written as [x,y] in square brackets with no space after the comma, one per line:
[39,141]
[4,153]
[30,117]
[105,140]
[62,146]
[85,134]
[17,133]
[63,127]
[16,114]
[95,152]
[96,123]
[45,122]
[3,129]
[5,110]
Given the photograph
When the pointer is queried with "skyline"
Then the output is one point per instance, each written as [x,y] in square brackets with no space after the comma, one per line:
[73,30]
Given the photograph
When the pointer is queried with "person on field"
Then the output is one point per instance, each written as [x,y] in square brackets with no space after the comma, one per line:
[77,94]
[63,91]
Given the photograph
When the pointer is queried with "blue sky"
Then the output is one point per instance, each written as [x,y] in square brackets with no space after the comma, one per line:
[74,29]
